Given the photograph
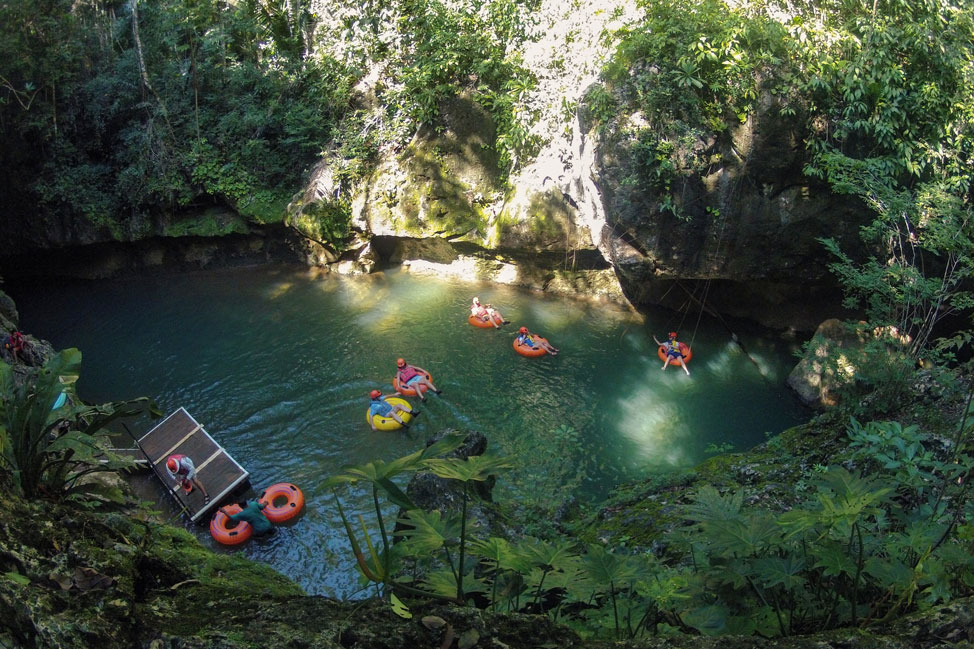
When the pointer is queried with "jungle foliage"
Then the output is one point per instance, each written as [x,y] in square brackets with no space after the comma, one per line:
[114,111]
[881,94]
[50,446]
[862,547]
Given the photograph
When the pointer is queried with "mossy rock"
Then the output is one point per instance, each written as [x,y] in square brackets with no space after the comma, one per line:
[211,223]
[441,183]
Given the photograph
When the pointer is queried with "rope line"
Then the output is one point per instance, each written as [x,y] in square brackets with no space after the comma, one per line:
[706,286]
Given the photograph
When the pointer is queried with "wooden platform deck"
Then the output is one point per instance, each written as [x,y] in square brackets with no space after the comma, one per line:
[215,469]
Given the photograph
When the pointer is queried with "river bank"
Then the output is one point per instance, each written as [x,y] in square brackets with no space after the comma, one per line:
[116,578]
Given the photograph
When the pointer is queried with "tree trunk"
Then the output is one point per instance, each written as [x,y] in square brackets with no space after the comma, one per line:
[143,71]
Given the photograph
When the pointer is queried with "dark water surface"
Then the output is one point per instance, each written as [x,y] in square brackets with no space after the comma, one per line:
[277,365]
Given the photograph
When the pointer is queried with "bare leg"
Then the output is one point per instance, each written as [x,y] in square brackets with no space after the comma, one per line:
[199,485]
[666,362]
[418,386]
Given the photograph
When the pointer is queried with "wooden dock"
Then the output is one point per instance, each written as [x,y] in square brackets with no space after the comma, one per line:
[215,469]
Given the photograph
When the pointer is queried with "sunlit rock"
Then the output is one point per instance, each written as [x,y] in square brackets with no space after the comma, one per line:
[825,366]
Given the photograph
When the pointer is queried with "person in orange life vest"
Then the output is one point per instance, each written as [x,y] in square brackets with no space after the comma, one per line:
[525,337]
[672,350]
[379,406]
[414,377]
[181,468]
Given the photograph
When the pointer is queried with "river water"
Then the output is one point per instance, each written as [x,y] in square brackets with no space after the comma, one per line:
[277,365]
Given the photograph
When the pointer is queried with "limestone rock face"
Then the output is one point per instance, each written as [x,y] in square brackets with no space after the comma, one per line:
[9,318]
[740,216]
[440,185]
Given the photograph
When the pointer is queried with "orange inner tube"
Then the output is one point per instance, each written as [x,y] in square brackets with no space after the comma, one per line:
[411,392]
[229,532]
[283,502]
[530,352]
[686,351]
[485,324]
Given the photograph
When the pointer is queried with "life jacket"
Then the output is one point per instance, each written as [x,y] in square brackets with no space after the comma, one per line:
[406,373]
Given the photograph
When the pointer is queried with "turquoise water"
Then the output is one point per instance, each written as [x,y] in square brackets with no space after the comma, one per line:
[278,363]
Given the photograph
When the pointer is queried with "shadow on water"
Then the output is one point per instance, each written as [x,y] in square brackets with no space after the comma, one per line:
[277,365]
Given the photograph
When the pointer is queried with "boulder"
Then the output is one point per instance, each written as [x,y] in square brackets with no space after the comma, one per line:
[430,492]
[825,366]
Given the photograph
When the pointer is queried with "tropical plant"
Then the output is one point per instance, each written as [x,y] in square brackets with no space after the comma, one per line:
[476,468]
[51,451]
[119,111]
[860,551]
[898,107]
[378,474]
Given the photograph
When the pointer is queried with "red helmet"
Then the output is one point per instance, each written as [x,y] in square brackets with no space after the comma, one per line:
[173,465]
[400,362]
[522,330]
[375,394]
[672,334]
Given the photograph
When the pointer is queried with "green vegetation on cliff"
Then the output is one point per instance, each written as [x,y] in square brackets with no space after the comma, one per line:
[116,111]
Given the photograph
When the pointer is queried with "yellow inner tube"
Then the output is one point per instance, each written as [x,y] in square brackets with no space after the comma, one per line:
[388,423]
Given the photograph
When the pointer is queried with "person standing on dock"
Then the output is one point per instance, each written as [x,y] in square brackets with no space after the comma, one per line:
[181,468]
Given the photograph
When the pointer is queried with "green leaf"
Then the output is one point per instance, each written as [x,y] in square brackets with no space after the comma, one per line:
[889,573]
[474,468]
[427,532]
[17,578]
[444,583]
[781,571]
[833,559]
[708,620]
[605,568]
[399,608]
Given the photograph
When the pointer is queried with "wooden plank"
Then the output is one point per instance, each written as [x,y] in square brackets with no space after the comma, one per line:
[208,460]
[134,453]
[197,448]
[173,448]
[174,427]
